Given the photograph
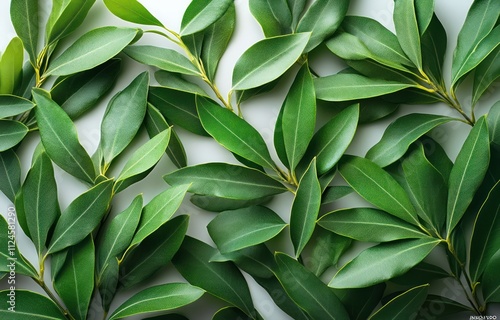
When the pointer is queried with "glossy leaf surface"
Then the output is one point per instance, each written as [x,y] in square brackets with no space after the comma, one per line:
[407,30]
[202,13]
[274,17]
[10,174]
[25,16]
[11,105]
[11,64]
[66,17]
[491,285]
[133,11]
[11,133]
[404,305]
[32,305]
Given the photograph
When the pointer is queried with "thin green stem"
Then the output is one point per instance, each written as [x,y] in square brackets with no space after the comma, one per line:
[51,295]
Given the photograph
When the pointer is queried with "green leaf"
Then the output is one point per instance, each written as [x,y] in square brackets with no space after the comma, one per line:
[92,49]
[40,201]
[108,283]
[373,69]
[407,30]
[11,66]
[221,279]
[11,133]
[468,172]
[217,204]
[278,139]
[367,224]
[360,302]
[268,59]
[307,291]
[486,73]
[322,19]
[485,239]
[23,90]
[80,92]
[238,229]
[424,11]
[154,252]
[404,305]
[446,307]
[383,262]
[472,33]
[202,13]
[156,123]
[132,11]
[299,116]
[29,305]
[123,118]
[178,107]
[158,298]
[12,105]
[305,208]
[74,283]
[331,141]
[66,17]
[116,237]
[60,138]
[422,273]
[400,134]
[165,59]
[81,217]
[226,181]
[436,155]
[230,313]
[232,132]
[177,82]
[434,42]
[10,174]
[493,119]
[274,17]
[346,87]
[327,248]
[296,8]
[490,283]
[333,193]
[24,16]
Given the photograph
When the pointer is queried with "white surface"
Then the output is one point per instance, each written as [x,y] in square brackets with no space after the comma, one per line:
[260,112]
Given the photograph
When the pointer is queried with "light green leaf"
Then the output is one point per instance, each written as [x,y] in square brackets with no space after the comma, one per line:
[372,69]
[238,229]
[177,82]
[383,262]
[158,298]
[486,73]
[12,105]
[268,59]
[467,173]
[274,17]
[322,19]
[296,8]
[202,13]
[74,282]
[377,187]
[424,11]
[165,59]
[400,134]
[60,138]
[11,66]
[132,11]
[30,305]
[490,283]
[11,133]
[232,132]
[10,174]
[92,49]
[66,17]
[81,217]
[24,15]
[226,181]
[305,208]
[407,30]
[403,306]
[367,224]
[308,291]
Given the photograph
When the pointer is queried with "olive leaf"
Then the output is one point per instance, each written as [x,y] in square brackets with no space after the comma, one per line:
[274,17]
[65,17]
[202,13]
[11,65]
[177,82]
[30,304]
[333,193]
[327,248]
[133,11]
[404,305]
[10,174]
[11,133]
[434,43]
[25,16]
[11,105]
[407,30]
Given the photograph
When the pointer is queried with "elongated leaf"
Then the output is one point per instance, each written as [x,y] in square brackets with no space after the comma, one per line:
[154,252]
[40,201]
[11,64]
[132,11]
[322,19]
[373,69]
[12,105]
[305,208]
[177,82]
[158,298]
[28,81]
[66,16]
[80,92]
[24,16]
[274,17]
[202,13]
[360,302]
[485,239]
[407,30]
[75,281]
[81,216]
[422,273]
[404,305]
[217,204]
[307,291]
[10,174]
[29,305]
[92,49]
[230,313]
[60,138]
[490,283]
[367,224]
[238,229]
[296,8]
[220,279]
[232,132]
[11,133]
[334,193]
[433,41]
[468,171]
[108,283]
[424,11]
[332,140]
[346,87]
[442,306]
[165,59]
[278,139]
[400,134]
[493,124]
[268,59]
[383,262]
[226,181]
[486,73]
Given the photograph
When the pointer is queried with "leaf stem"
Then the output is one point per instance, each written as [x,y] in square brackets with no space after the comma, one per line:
[42,284]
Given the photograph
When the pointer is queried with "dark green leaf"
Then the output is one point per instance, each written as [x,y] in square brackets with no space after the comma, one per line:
[374,69]
[436,307]
[217,204]
[422,273]
[108,283]
[28,81]
[202,13]
[66,17]
[424,10]
[29,305]
[274,17]
[226,181]
[436,155]
[360,302]
[278,139]
[11,64]
[244,95]
[326,249]
[434,41]
[12,105]
[333,193]
[296,8]
[404,305]
[407,30]
[486,73]
[24,16]
[177,82]
[228,313]
[10,174]
[490,282]
[11,133]
[133,11]
[493,119]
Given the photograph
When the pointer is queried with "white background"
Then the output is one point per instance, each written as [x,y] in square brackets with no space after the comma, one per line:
[260,112]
